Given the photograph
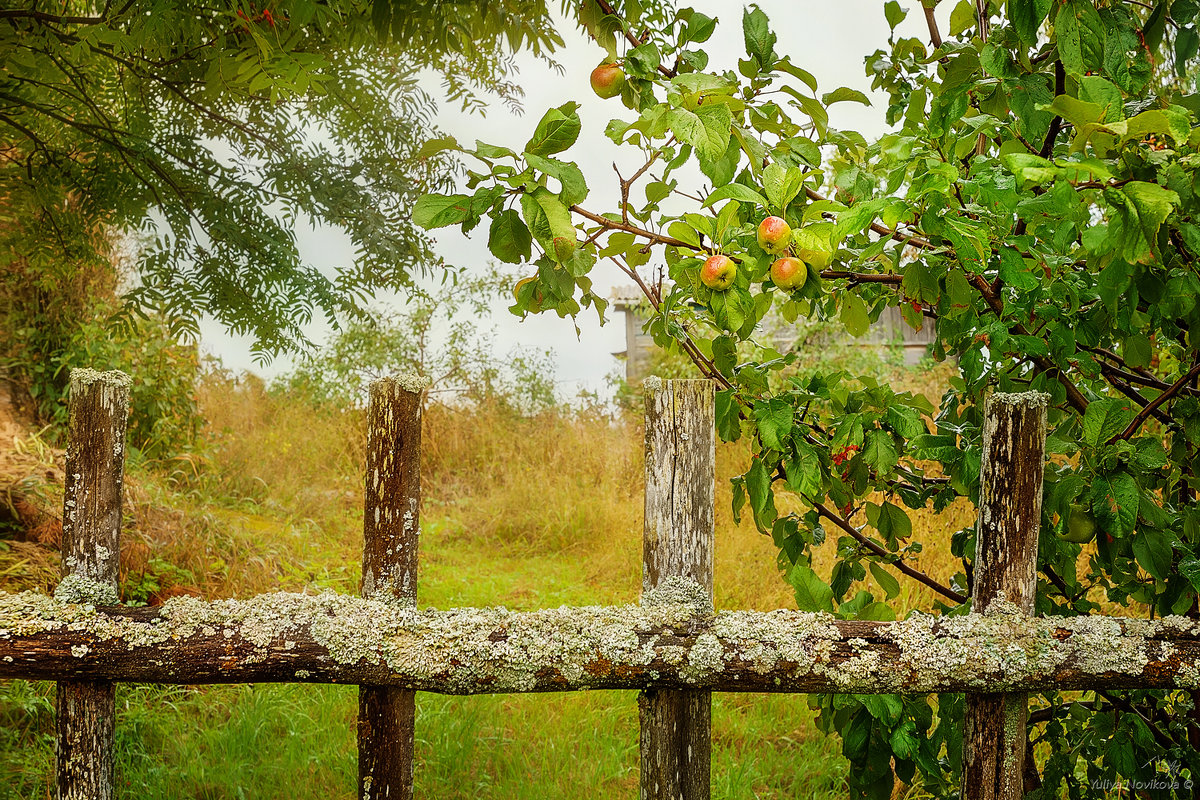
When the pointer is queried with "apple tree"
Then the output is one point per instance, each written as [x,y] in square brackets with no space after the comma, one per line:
[1037,195]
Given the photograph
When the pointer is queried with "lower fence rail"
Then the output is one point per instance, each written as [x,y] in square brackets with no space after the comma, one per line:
[671,646]
[331,638]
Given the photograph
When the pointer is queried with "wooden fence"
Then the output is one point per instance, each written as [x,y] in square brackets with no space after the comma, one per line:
[672,646]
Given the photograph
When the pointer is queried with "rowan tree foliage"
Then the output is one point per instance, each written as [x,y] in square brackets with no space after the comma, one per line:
[1037,197]
[197,136]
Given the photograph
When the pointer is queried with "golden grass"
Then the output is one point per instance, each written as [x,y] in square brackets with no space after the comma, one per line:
[276,503]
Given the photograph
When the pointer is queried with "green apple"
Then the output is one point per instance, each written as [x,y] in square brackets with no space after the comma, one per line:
[718,272]
[1081,525]
[607,80]
[821,259]
[564,248]
[789,273]
[774,234]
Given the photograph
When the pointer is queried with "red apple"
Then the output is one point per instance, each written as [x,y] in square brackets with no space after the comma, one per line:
[718,272]
[607,80]
[789,273]
[774,234]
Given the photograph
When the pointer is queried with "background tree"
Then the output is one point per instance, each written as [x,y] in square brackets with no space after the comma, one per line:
[437,335]
[1037,197]
[156,159]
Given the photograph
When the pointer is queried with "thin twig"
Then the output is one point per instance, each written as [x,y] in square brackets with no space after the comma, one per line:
[915,574]
[1145,413]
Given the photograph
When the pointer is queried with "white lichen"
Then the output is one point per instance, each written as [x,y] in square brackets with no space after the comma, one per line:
[83,376]
[77,588]
[497,650]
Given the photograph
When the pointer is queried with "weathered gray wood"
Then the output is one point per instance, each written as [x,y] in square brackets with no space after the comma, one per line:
[98,404]
[1005,580]
[677,551]
[333,638]
[391,526]
[680,473]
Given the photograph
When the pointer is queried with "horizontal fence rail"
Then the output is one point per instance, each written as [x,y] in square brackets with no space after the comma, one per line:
[330,638]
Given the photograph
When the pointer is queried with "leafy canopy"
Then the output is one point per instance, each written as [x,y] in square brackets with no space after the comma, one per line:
[1037,197]
[204,133]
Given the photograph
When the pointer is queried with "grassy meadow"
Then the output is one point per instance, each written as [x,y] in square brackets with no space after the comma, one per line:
[521,512]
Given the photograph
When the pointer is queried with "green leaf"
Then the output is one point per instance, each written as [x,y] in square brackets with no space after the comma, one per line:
[758,486]
[1140,209]
[1190,569]
[1137,350]
[1103,93]
[508,238]
[735,191]
[1152,549]
[812,593]
[729,425]
[438,144]
[804,471]
[962,18]
[1027,17]
[879,451]
[885,579]
[644,59]
[1114,499]
[699,28]
[1080,35]
[760,41]
[574,187]
[557,131]
[707,128]
[936,447]
[782,184]
[774,419]
[1104,419]
[1159,122]
[854,315]
[894,13]
[548,219]
[1077,112]
[844,95]
[1015,272]
[1029,168]
[439,210]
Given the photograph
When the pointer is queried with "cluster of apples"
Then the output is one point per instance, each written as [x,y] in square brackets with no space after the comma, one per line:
[787,272]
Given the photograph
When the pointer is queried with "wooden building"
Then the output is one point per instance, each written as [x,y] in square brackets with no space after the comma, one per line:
[888,331]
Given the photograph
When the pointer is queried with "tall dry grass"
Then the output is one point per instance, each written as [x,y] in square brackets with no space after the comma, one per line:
[562,484]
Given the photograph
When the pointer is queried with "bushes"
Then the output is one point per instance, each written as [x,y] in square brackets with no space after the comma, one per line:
[52,321]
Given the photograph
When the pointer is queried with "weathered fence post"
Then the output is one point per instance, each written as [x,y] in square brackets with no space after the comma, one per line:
[91,550]
[1010,516]
[677,543]
[391,526]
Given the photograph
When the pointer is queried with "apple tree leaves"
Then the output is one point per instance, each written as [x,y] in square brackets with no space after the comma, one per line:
[1034,200]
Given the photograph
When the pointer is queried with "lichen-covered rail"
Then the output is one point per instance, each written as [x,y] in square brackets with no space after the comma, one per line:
[330,638]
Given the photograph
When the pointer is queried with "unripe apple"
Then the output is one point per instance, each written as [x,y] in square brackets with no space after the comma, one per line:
[789,273]
[607,80]
[564,248]
[820,259]
[718,273]
[774,234]
[1081,525]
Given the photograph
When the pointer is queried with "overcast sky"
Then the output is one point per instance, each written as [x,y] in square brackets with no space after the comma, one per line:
[828,39]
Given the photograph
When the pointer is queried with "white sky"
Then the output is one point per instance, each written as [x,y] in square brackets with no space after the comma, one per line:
[828,39]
